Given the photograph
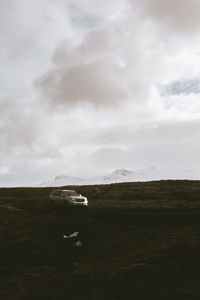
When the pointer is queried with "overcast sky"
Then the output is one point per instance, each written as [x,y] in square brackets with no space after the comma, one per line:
[87,87]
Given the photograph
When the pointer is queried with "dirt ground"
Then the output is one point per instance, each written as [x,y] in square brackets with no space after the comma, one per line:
[125,253]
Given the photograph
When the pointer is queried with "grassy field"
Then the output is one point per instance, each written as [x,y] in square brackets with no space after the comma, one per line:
[139,241]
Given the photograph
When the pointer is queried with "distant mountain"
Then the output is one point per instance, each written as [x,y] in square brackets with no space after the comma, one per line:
[126,175]
[63,180]
[122,175]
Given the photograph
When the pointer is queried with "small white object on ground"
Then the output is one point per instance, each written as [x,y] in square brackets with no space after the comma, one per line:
[75,234]
[78,244]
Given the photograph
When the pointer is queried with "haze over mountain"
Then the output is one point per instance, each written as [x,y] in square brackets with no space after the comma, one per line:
[122,175]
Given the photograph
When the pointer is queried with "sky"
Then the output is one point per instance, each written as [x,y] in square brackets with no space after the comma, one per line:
[87,87]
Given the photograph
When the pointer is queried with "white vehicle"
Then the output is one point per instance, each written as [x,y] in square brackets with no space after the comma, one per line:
[67,198]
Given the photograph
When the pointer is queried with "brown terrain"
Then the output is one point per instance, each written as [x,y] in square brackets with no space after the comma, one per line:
[139,241]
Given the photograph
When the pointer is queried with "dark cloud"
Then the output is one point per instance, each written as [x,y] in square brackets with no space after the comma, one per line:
[86,72]
[179,15]
[92,83]
[105,68]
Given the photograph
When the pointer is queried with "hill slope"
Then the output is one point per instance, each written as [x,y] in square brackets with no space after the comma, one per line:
[147,252]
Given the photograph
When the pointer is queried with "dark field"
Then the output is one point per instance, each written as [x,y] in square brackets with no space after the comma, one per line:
[140,241]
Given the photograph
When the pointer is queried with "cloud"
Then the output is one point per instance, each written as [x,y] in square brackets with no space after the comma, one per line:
[180,15]
[29,32]
[86,72]
[4,170]
[106,67]
[94,83]
[166,145]
[124,56]
[24,129]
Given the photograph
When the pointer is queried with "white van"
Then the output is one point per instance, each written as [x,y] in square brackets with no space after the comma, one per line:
[67,198]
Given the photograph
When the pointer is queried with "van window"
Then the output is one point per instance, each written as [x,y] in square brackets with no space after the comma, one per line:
[56,193]
[72,193]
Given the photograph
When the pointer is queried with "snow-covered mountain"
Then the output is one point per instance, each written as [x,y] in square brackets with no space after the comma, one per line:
[63,180]
[122,175]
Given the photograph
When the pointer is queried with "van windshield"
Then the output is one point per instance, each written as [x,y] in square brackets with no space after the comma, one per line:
[72,193]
